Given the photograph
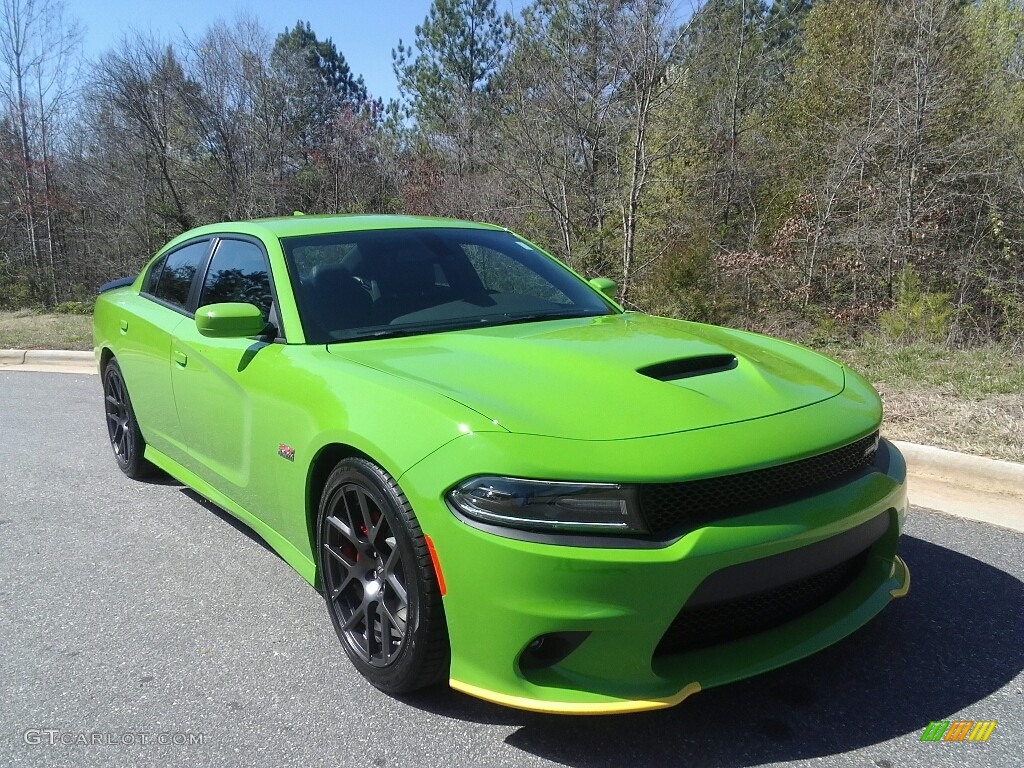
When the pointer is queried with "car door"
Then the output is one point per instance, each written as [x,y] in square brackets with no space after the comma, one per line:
[144,352]
[219,384]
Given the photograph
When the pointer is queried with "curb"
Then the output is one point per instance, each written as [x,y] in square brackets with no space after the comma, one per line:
[55,360]
[57,357]
[964,470]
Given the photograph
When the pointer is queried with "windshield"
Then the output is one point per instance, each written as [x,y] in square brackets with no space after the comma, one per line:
[393,282]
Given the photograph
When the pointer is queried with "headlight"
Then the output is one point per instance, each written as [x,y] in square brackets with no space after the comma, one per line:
[541,505]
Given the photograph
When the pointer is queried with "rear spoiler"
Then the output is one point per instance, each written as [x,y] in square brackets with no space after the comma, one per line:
[121,282]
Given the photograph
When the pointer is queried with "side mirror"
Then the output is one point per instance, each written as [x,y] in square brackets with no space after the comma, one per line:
[231,320]
[608,287]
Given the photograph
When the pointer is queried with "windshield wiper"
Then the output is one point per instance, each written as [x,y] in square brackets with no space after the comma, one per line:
[384,333]
[509,318]
[387,332]
[460,324]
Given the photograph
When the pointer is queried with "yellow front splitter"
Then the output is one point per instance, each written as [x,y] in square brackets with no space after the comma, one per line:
[573,707]
[899,570]
[898,566]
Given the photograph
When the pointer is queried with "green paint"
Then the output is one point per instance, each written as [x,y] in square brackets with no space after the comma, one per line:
[553,399]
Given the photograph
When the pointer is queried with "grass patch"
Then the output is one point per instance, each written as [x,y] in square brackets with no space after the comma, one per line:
[970,400]
[968,373]
[30,330]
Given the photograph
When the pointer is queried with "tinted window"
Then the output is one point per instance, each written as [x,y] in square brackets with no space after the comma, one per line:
[176,277]
[370,284]
[321,251]
[238,272]
[153,276]
[501,273]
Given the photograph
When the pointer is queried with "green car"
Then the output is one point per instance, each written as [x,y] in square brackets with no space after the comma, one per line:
[495,475]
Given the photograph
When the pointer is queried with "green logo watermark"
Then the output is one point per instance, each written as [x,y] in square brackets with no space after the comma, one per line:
[959,730]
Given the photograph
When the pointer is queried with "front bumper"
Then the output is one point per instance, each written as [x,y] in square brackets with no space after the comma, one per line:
[503,593]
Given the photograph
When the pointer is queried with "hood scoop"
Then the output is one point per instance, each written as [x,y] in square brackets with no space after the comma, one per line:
[687,367]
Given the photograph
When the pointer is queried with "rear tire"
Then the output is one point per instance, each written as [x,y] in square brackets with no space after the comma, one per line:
[122,427]
[378,580]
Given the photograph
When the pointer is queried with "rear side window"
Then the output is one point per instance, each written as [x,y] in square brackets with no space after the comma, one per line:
[175,280]
[238,272]
[153,276]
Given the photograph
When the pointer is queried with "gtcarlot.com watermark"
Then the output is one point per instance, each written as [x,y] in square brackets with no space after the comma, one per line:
[54,737]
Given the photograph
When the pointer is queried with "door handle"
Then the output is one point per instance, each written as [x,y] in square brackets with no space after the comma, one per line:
[180,358]
[124,326]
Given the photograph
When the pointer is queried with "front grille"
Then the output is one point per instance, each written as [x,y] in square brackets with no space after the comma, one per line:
[674,507]
[705,625]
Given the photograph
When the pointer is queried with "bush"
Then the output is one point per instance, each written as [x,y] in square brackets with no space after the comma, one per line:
[13,294]
[917,315]
[74,307]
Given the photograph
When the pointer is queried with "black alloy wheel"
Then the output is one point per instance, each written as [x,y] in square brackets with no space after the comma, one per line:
[122,427]
[378,580]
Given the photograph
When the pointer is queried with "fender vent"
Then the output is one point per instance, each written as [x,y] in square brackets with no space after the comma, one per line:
[689,366]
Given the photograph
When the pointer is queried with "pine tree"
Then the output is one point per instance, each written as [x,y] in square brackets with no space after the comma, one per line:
[449,75]
[318,87]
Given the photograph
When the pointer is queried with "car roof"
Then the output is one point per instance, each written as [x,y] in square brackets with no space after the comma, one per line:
[300,224]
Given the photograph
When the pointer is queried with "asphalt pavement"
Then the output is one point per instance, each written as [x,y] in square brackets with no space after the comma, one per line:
[140,625]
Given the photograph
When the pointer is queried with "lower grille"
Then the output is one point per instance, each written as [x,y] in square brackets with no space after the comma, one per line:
[706,625]
[674,507]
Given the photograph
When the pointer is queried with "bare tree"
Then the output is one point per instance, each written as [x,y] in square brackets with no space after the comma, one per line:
[585,78]
[36,47]
[238,113]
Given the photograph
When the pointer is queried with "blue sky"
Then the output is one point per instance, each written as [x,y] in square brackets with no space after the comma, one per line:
[365,32]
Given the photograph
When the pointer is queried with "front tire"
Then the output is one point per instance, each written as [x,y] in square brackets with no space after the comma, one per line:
[122,427]
[378,580]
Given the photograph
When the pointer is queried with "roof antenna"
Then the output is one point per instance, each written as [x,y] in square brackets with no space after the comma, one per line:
[298,213]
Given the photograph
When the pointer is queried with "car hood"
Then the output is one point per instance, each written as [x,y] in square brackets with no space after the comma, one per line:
[582,378]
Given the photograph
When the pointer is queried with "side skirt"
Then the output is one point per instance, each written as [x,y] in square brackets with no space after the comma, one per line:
[287,551]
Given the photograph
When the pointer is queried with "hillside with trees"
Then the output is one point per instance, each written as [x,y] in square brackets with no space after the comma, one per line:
[809,168]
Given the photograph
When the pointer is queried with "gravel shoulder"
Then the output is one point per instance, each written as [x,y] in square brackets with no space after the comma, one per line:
[970,401]
[988,425]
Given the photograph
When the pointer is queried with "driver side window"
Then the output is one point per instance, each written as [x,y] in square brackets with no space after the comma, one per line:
[238,272]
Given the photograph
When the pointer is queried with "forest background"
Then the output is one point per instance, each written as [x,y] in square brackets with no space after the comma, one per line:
[845,173]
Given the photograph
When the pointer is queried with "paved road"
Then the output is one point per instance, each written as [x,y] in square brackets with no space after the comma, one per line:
[132,610]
